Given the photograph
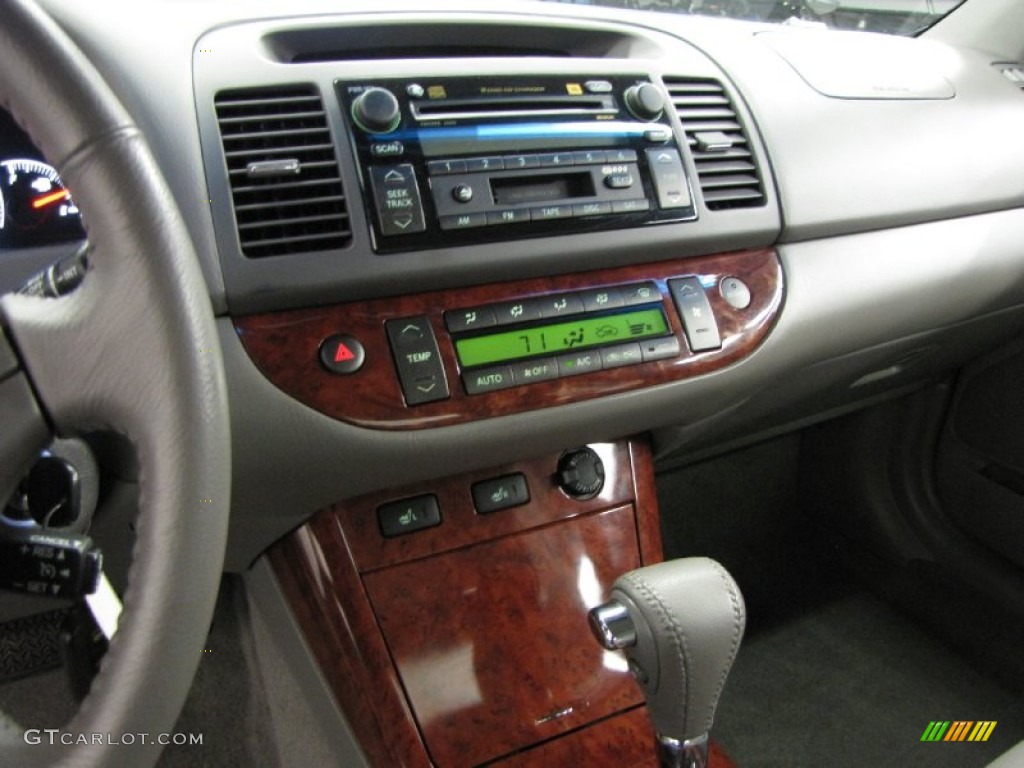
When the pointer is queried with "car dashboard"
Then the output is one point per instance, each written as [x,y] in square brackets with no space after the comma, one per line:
[460,243]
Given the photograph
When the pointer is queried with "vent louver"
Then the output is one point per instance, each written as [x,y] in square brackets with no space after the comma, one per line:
[285,182]
[726,170]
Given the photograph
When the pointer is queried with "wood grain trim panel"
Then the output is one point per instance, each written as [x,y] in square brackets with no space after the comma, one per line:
[359,604]
[626,739]
[284,345]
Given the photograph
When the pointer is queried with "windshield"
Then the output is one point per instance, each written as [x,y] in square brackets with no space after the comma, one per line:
[896,17]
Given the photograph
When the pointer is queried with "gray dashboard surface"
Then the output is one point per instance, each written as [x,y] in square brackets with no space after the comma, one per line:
[894,218]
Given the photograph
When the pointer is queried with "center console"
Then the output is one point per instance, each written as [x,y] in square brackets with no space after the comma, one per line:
[450,617]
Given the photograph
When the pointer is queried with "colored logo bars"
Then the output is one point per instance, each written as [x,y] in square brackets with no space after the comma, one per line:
[958,730]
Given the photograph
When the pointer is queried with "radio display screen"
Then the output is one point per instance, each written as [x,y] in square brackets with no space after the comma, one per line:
[565,336]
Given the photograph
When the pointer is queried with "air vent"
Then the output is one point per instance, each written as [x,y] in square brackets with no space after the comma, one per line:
[284,176]
[726,169]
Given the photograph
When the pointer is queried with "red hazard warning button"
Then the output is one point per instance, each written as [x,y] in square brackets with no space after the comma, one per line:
[341,354]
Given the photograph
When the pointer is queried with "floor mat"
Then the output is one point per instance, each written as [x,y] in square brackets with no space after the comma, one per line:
[852,683]
[829,674]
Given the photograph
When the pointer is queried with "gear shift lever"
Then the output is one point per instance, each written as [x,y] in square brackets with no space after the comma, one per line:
[680,624]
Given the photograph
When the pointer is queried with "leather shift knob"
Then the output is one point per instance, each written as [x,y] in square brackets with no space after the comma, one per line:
[688,618]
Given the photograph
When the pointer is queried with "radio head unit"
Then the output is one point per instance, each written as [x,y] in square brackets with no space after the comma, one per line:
[449,161]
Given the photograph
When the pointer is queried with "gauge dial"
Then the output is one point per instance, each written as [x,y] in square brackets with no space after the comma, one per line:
[36,208]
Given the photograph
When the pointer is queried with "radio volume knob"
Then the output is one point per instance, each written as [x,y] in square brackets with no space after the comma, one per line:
[376,110]
[645,101]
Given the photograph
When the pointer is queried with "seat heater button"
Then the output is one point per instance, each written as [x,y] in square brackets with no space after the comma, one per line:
[398,518]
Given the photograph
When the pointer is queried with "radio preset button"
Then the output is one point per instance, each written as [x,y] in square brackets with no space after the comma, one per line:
[601,298]
[462,193]
[477,164]
[589,157]
[445,167]
[548,212]
[620,156]
[531,371]
[591,209]
[575,363]
[463,221]
[459,320]
[482,380]
[510,312]
[555,159]
[561,305]
[510,216]
[515,162]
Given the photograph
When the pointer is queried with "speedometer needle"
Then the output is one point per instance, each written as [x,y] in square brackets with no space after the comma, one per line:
[53,197]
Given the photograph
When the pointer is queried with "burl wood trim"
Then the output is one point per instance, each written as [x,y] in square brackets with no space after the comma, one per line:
[284,345]
[320,582]
[625,740]
[318,567]
[462,526]
[492,642]
[648,518]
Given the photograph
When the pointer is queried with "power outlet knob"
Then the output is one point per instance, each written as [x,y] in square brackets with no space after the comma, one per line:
[581,473]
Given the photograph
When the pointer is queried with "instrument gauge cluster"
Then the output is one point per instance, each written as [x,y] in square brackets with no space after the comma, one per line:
[35,207]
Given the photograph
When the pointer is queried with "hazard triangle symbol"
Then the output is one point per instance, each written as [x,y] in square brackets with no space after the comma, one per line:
[343,353]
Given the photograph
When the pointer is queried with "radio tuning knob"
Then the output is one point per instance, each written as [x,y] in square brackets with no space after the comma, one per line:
[645,101]
[376,110]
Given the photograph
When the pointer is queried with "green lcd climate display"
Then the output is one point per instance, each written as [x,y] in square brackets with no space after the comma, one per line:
[561,337]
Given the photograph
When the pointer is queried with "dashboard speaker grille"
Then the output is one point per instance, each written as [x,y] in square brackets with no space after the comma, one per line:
[727,172]
[285,181]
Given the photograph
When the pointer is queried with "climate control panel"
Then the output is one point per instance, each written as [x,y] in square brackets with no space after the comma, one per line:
[447,357]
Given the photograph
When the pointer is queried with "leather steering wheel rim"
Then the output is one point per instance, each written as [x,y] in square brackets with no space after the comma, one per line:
[134,350]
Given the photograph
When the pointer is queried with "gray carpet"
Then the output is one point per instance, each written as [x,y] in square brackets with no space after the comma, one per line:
[829,674]
[853,683]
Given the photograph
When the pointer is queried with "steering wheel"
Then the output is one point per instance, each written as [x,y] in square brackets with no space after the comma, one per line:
[133,349]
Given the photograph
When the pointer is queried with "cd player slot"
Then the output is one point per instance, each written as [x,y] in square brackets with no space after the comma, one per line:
[449,109]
